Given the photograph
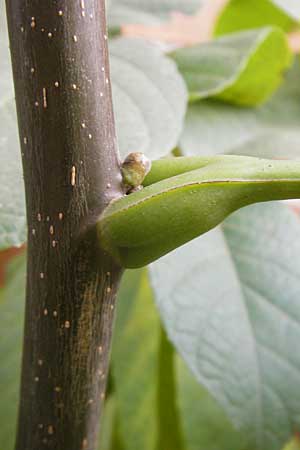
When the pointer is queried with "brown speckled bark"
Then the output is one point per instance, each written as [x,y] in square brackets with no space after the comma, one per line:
[71,172]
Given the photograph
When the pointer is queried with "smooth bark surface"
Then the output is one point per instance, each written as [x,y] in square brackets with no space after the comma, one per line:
[71,172]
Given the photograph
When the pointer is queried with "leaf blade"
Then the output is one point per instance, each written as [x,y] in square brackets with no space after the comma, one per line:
[11,324]
[135,363]
[233,68]
[240,15]
[149,98]
[271,130]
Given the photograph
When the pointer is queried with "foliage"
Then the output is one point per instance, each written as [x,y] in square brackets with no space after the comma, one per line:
[11,325]
[246,14]
[243,68]
[144,82]
[271,130]
[228,300]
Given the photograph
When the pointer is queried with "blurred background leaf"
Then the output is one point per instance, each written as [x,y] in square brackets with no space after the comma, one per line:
[11,325]
[243,68]
[245,14]
[135,363]
[110,430]
[143,372]
[149,98]
[271,130]
[12,201]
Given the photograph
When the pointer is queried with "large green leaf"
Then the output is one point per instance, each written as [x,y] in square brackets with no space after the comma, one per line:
[143,372]
[170,429]
[149,98]
[141,227]
[230,303]
[11,326]
[147,12]
[109,438]
[135,363]
[243,68]
[204,423]
[244,14]
[272,130]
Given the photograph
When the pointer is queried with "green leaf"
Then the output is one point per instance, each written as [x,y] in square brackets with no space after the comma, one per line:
[11,325]
[149,98]
[147,12]
[243,68]
[273,130]
[107,424]
[109,438]
[204,423]
[135,363]
[170,432]
[245,14]
[230,303]
[141,227]
[142,367]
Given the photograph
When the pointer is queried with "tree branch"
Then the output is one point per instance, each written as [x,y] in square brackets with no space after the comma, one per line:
[71,171]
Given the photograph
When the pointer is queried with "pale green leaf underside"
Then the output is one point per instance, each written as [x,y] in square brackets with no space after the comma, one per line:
[141,227]
[272,130]
[243,68]
[149,98]
[12,200]
[246,14]
[230,303]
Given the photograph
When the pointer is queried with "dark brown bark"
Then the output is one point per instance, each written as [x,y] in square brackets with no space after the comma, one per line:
[71,172]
